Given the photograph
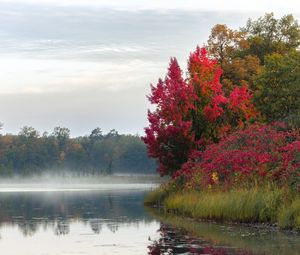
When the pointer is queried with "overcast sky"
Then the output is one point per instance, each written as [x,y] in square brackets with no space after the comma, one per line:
[83,64]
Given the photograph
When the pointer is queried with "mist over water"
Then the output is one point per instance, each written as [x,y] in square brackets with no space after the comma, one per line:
[105,215]
[67,182]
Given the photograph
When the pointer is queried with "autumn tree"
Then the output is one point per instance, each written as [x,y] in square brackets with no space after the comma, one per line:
[193,112]
[169,137]
[223,43]
[241,71]
[241,53]
[228,47]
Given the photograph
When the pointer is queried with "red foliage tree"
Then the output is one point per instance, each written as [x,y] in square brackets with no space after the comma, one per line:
[215,114]
[169,137]
[191,113]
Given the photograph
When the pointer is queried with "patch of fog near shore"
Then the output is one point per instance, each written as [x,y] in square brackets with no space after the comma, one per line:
[66,182]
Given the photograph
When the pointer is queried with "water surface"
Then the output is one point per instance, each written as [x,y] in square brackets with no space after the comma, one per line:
[111,219]
[80,220]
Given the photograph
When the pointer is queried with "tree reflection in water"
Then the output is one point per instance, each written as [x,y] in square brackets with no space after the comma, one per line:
[96,226]
[62,227]
[31,211]
[28,228]
[179,241]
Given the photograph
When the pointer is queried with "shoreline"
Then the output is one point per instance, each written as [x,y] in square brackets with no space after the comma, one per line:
[257,238]
[257,207]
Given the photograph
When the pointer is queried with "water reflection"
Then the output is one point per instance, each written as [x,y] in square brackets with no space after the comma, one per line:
[179,241]
[81,222]
[116,222]
[31,211]
[221,238]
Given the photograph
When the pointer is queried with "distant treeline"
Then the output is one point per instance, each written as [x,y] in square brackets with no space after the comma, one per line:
[31,153]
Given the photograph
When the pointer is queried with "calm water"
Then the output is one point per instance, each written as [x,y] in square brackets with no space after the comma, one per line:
[112,220]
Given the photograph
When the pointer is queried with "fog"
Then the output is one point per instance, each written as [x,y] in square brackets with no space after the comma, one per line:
[66,182]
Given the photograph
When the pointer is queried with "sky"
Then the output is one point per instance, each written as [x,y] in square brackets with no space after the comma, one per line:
[83,64]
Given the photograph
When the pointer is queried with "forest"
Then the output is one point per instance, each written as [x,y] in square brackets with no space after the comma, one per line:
[30,153]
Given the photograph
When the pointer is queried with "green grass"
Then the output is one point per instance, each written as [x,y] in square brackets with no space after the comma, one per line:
[256,205]
[158,196]
[289,216]
[237,205]
[155,197]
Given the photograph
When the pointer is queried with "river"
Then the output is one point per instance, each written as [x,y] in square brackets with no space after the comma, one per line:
[111,219]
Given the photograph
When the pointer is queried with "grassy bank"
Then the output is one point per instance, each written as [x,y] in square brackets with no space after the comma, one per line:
[257,205]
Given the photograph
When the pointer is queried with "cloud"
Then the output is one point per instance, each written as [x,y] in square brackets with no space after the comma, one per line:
[89,63]
[43,76]
[135,5]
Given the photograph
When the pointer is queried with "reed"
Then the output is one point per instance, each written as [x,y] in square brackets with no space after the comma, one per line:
[270,204]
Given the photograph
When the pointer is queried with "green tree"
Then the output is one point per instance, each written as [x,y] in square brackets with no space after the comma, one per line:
[278,97]
[62,136]
[269,35]
[29,132]
[96,134]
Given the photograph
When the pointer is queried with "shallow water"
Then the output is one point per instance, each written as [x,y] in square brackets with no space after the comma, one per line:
[186,236]
[111,219]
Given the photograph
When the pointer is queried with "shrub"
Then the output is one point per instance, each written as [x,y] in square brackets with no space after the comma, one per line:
[258,154]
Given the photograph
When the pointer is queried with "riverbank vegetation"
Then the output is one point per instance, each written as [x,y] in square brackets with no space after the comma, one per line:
[271,205]
[228,133]
[30,153]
